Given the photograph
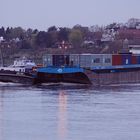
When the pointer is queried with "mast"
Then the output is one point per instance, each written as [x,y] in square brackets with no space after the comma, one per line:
[1,55]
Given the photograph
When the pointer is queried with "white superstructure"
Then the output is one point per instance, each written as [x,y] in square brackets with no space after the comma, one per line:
[24,62]
[20,65]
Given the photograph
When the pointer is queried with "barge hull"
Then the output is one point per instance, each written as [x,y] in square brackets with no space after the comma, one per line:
[65,77]
[14,78]
[99,79]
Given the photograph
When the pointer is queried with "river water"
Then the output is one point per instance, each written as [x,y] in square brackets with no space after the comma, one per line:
[69,112]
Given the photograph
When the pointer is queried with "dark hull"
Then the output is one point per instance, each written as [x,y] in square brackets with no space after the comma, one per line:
[16,78]
[94,77]
[118,77]
[77,77]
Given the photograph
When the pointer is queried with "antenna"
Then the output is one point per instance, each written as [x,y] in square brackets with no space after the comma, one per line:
[1,55]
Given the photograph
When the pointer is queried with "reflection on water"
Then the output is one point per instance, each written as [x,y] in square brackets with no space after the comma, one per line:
[68,112]
[1,118]
[62,115]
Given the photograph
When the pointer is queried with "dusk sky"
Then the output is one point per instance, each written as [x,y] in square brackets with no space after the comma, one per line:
[42,14]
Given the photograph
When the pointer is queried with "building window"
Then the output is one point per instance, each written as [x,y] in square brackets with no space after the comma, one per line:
[96,60]
[107,60]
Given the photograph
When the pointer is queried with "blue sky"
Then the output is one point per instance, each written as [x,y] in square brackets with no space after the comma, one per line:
[42,14]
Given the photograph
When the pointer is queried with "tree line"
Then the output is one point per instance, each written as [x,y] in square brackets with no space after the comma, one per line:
[33,38]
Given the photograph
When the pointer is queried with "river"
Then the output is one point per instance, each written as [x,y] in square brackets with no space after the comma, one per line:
[69,112]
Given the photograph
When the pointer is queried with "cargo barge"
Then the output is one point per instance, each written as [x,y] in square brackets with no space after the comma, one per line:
[95,69]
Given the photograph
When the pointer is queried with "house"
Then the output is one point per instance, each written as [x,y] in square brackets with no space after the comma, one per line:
[1,39]
[107,38]
[130,34]
[63,45]
[134,46]
[132,23]
[89,42]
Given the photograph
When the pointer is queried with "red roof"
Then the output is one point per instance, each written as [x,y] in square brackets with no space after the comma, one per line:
[129,33]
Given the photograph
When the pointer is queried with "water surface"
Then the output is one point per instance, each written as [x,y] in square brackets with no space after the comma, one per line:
[69,112]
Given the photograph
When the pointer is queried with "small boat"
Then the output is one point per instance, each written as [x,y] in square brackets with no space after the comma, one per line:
[21,65]
[19,72]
